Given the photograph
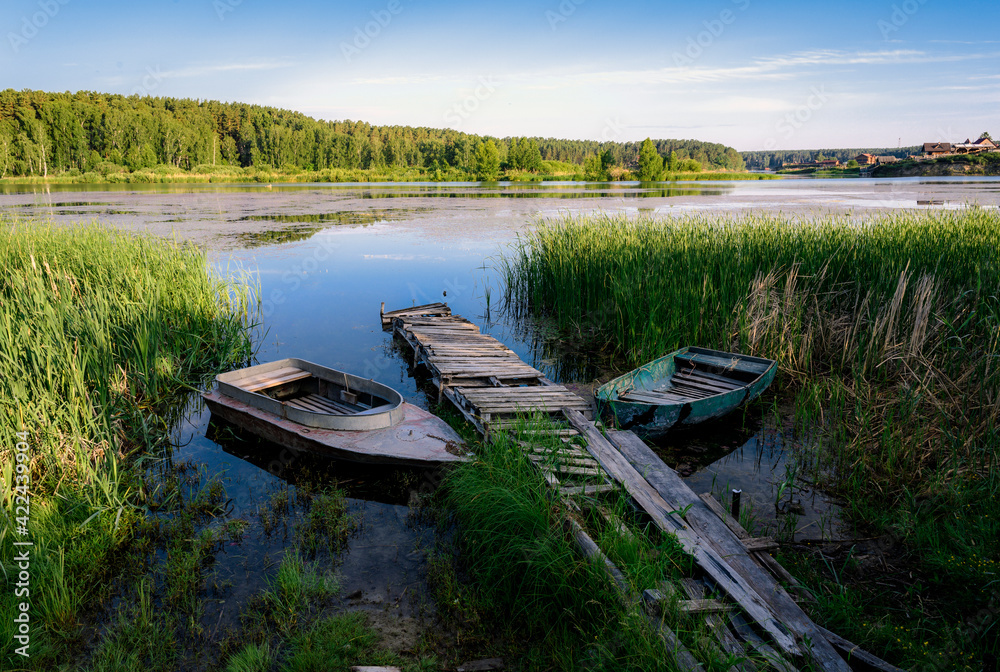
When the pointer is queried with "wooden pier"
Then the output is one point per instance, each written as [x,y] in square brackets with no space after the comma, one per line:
[758,619]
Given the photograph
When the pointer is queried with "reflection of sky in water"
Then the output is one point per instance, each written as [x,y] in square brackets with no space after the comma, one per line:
[321,297]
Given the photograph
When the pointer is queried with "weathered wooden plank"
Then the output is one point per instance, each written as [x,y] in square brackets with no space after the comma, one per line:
[563,469]
[763,649]
[717,623]
[307,405]
[717,534]
[760,544]
[727,363]
[427,309]
[572,461]
[690,391]
[272,380]
[567,452]
[688,381]
[519,392]
[764,558]
[525,408]
[713,377]
[664,516]
[332,404]
[528,403]
[691,607]
[644,397]
[437,305]
[586,490]
[853,653]
[552,432]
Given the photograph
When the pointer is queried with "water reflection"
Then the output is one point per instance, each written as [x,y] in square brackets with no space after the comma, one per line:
[372,190]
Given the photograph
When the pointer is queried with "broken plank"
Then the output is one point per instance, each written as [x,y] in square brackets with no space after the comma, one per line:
[664,516]
[853,653]
[576,471]
[707,526]
[763,558]
[717,623]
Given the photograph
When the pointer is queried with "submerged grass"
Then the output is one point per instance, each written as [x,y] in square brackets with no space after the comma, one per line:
[887,332]
[98,330]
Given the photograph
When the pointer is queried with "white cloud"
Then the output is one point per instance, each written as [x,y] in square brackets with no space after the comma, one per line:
[203,70]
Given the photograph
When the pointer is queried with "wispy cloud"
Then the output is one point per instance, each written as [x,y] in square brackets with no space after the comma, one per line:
[218,68]
[396,80]
[972,42]
[774,67]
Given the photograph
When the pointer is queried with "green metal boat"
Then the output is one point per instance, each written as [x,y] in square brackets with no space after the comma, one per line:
[685,387]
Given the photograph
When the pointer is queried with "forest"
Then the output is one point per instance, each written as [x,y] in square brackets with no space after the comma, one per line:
[43,134]
[774,159]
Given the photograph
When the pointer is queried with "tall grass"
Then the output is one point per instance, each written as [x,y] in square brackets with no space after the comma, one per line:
[98,331]
[560,608]
[886,329]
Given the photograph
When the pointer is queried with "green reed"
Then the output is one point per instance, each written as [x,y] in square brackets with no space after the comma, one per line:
[98,331]
[887,332]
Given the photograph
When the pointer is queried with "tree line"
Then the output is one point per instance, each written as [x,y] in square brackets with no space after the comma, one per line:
[774,159]
[42,133]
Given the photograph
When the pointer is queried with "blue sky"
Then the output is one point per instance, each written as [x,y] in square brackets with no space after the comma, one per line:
[747,73]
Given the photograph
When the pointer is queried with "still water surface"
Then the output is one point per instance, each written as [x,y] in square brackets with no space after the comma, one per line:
[326,256]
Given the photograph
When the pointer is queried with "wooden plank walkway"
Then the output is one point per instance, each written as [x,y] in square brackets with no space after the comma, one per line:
[493,389]
[484,378]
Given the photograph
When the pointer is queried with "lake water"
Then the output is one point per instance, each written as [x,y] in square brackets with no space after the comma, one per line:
[327,256]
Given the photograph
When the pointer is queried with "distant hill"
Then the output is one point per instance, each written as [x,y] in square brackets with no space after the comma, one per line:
[776,158]
[43,133]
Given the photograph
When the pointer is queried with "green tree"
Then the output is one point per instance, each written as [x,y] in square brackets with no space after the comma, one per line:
[650,162]
[673,163]
[487,161]
[5,142]
[986,135]
[689,166]
[534,156]
[592,169]
[852,163]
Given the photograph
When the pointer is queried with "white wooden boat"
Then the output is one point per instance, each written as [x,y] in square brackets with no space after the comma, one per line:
[305,406]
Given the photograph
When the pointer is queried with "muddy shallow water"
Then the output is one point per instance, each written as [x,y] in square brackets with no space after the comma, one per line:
[326,256]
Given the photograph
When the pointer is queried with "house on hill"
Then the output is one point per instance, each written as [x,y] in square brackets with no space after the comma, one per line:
[983,144]
[882,160]
[865,159]
[937,148]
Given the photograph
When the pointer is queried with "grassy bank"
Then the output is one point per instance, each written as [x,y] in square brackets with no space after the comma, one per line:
[888,333]
[108,173]
[98,332]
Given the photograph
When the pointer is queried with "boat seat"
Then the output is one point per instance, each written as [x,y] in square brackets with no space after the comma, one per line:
[274,378]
